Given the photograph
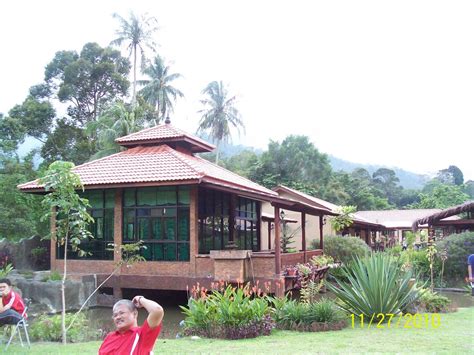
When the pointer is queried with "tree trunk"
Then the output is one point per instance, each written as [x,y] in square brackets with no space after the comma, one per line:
[217,152]
[134,75]
[63,294]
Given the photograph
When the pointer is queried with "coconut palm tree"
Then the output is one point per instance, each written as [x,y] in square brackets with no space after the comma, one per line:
[158,90]
[219,114]
[137,33]
[117,121]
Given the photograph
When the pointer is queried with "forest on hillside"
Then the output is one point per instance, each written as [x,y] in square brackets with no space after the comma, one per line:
[89,98]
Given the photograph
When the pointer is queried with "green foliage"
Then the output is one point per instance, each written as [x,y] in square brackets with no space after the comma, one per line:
[458,248]
[291,314]
[321,260]
[344,219]
[48,328]
[432,302]
[158,90]
[229,314]
[438,195]
[52,276]
[5,270]
[89,80]
[376,284]
[343,249]
[19,212]
[293,161]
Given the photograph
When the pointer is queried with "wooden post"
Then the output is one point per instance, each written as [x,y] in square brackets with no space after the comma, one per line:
[193,228]
[321,245]
[118,224]
[303,235]
[277,241]
[269,235]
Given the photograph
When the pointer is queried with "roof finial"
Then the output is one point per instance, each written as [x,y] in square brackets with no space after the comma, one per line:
[167,120]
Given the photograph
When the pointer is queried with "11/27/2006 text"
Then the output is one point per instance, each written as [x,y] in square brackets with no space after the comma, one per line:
[388,320]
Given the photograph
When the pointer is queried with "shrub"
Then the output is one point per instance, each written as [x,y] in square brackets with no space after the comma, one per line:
[458,247]
[317,316]
[432,302]
[234,313]
[343,249]
[48,328]
[376,284]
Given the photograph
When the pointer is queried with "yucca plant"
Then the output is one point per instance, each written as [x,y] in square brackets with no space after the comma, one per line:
[375,284]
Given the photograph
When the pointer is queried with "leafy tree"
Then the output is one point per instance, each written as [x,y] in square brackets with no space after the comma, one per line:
[362,194]
[11,134]
[388,183]
[441,196]
[67,142]
[451,175]
[19,212]
[469,188]
[70,213]
[295,161]
[88,81]
[137,33]
[219,113]
[158,90]
[34,117]
[241,163]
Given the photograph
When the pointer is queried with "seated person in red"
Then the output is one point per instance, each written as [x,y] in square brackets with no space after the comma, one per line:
[129,338]
[12,305]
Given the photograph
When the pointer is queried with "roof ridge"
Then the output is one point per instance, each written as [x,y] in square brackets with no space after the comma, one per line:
[182,157]
[177,130]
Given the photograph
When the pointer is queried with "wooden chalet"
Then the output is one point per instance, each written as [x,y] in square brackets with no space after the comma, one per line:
[198,221]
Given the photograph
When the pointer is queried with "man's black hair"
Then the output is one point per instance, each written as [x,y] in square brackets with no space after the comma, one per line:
[6,281]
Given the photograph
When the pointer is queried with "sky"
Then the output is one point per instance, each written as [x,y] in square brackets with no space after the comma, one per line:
[372,82]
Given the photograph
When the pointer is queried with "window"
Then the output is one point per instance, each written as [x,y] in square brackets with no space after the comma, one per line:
[214,217]
[246,221]
[160,217]
[102,210]
[214,207]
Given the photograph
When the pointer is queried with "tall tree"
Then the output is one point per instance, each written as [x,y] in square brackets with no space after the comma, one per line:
[451,175]
[158,90]
[219,114]
[137,34]
[388,183]
[296,163]
[89,81]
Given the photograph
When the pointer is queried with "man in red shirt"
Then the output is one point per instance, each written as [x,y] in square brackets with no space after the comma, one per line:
[12,305]
[129,338]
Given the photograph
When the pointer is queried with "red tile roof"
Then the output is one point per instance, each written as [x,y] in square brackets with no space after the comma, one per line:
[157,164]
[162,134]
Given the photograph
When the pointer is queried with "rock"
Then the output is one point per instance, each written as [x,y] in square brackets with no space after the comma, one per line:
[45,296]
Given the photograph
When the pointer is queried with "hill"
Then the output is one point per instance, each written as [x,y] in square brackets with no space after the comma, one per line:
[408,179]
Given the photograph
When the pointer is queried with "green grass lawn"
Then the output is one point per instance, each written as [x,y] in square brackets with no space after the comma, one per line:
[454,336]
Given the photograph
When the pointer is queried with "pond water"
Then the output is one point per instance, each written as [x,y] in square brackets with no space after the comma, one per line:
[459,299]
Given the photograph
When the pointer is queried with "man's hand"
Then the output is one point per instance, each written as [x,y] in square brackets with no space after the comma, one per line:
[155,311]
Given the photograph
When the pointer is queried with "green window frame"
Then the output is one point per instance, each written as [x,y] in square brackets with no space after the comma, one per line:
[102,204]
[160,217]
[247,224]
